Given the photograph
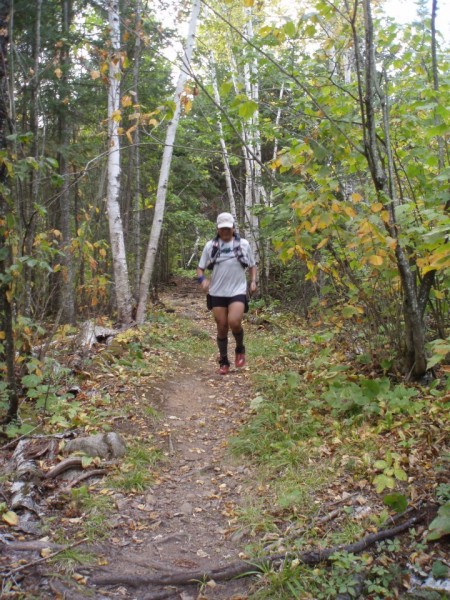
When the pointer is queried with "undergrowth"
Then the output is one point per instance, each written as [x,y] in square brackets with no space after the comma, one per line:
[329,436]
[337,447]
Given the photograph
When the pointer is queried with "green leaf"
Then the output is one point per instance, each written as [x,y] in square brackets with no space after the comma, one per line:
[380,464]
[290,29]
[31,381]
[400,474]
[440,526]
[86,461]
[256,402]
[440,570]
[382,482]
[398,502]
[226,88]
[246,109]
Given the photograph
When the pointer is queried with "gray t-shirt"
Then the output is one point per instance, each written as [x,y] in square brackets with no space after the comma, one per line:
[228,275]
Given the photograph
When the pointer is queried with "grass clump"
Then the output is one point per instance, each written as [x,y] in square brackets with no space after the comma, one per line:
[136,473]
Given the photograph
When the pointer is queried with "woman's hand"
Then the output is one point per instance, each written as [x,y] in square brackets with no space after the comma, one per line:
[253,287]
[205,285]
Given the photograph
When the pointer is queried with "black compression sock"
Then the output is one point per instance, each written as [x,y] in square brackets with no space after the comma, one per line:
[239,337]
[222,343]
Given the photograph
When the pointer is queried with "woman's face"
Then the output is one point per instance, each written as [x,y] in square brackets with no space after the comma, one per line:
[225,234]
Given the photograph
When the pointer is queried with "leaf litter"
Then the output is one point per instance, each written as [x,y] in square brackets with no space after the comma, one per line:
[187,511]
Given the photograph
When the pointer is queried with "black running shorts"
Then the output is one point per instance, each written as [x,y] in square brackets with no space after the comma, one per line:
[225,302]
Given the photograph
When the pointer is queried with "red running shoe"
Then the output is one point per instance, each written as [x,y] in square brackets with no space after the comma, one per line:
[223,369]
[239,360]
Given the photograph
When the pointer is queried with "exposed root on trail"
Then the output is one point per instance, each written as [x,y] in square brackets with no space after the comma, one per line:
[243,569]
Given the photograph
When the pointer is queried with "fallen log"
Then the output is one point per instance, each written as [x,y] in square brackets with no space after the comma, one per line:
[246,568]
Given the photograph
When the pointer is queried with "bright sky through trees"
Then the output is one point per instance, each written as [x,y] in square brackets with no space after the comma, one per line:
[405,11]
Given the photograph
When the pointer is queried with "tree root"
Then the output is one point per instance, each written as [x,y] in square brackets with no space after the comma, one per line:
[82,477]
[242,569]
[64,465]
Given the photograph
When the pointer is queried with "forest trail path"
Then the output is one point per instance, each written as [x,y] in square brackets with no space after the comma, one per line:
[187,519]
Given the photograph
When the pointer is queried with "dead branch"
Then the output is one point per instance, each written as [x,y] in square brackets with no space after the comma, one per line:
[31,546]
[82,477]
[74,462]
[43,559]
[239,569]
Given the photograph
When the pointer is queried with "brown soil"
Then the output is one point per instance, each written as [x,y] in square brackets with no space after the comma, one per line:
[191,511]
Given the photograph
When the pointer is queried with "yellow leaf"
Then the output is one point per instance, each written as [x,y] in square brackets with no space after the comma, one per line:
[350,212]
[385,216]
[10,517]
[335,207]
[129,132]
[187,106]
[356,198]
[58,73]
[376,260]
[45,552]
[116,115]
[376,207]
[2,335]
[126,101]
[391,242]
[95,74]
[322,243]
[153,122]
[249,3]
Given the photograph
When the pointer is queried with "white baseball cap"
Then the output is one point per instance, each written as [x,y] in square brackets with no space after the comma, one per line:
[225,220]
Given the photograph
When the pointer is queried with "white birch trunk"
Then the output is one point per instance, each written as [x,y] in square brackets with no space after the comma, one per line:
[277,122]
[161,193]
[120,269]
[254,187]
[136,221]
[245,148]
[226,162]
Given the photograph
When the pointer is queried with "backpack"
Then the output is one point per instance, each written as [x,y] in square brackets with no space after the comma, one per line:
[215,252]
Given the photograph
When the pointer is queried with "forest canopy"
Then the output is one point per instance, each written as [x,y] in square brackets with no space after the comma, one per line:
[323,129]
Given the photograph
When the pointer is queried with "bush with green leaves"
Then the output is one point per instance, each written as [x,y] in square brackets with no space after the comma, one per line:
[371,399]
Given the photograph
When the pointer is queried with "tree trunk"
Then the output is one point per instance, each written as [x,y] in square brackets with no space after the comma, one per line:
[136,220]
[6,312]
[29,210]
[226,162]
[161,193]
[384,185]
[120,269]
[436,80]
[66,286]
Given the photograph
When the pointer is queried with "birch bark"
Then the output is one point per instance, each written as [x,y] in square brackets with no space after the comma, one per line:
[120,269]
[161,193]
[226,162]
[136,220]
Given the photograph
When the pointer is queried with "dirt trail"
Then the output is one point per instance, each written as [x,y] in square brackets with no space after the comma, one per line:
[189,514]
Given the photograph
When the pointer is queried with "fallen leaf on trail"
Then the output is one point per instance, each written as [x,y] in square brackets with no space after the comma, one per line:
[10,517]
[202,553]
[45,552]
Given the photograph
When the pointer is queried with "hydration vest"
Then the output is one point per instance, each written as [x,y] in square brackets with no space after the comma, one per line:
[215,252]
